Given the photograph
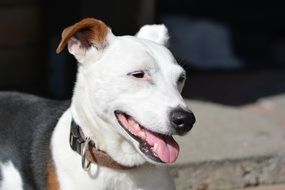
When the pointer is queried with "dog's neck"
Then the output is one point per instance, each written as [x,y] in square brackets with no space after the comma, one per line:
[88,151]
[84,115]
[104,136]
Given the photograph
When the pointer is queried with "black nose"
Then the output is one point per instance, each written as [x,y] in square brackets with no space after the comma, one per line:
[182,121]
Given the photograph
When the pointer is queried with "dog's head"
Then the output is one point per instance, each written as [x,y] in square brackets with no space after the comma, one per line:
[129,86]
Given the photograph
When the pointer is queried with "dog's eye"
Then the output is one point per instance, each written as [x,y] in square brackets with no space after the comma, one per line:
[181,78]
[137,74]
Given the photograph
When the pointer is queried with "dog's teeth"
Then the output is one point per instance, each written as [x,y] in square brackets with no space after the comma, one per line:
[154,148]
[131,121]
[142,134]
[136,127]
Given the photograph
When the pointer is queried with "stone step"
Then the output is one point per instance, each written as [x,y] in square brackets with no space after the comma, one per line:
[230,147]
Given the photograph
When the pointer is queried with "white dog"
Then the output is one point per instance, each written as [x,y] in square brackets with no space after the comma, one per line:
[117,131]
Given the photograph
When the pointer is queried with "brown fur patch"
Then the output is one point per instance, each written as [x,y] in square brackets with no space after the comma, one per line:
[88,31]
[52,180]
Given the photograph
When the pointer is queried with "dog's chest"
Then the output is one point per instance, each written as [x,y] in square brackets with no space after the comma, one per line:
[105,179]
[71,176]
[102,180]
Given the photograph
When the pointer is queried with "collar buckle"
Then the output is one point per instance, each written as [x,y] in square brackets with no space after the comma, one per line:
[84,161]
[75,138]
[86,148]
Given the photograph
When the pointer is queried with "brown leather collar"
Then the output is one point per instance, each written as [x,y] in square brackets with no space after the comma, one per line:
[93,155]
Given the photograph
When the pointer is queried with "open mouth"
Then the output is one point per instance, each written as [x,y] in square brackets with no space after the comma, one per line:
[158,147]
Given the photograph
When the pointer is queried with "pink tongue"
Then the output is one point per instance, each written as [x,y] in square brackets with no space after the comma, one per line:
[167,149]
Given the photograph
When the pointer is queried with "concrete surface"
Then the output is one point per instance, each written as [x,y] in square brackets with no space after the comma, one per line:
[267,187]
[233,147]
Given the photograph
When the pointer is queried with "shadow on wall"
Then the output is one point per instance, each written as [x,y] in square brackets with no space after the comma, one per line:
[215,72]
[234,88]
[231,58]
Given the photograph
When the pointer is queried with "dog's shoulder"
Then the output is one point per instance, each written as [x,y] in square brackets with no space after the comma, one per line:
[22,101]
[25,113]
[26,125]
[23,107]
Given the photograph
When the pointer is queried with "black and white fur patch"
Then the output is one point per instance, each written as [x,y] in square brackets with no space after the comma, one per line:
[26,126]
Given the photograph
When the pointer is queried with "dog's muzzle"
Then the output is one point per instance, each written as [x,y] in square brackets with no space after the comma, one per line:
[181,120]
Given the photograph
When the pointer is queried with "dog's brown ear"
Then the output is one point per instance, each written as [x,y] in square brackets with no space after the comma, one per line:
[82,35]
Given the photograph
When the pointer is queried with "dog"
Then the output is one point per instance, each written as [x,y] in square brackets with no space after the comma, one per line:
[116,131]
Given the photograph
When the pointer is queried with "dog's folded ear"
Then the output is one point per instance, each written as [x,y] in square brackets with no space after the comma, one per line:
[83,35]
[156,32]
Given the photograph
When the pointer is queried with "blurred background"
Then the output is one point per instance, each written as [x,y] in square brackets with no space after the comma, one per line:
[234,55]
[233,51]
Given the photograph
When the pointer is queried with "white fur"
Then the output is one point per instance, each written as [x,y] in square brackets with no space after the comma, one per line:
[103,86]
[72,177]
[11,178]
[157,33]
